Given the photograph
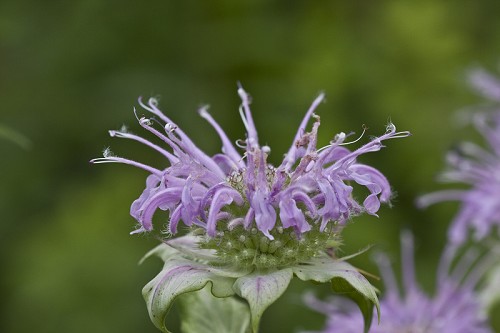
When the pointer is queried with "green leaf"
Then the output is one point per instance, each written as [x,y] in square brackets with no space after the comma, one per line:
[14,136]
[201,312]
[180,276]
[345,279]
[189,246]
[261,289]
[343,286]
[184,248]
[162,251]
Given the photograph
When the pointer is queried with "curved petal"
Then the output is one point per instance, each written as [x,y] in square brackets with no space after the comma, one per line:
[291,216]
[152,184]
[169,195]
[265,214]
[375,177]
[220,200]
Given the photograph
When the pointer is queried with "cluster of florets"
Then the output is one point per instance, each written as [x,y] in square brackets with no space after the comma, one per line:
[243,248]
[243,196]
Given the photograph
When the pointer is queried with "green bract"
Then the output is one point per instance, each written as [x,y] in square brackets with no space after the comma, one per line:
[189,268]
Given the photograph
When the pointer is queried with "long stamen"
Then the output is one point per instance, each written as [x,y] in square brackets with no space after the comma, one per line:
[290,155]
[374,145]
[359,138]
[340,138]
[162,151]
[247,119]
[145,123]
[187,143]
[114,159]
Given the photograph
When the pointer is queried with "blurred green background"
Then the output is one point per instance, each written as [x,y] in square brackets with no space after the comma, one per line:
[71,70]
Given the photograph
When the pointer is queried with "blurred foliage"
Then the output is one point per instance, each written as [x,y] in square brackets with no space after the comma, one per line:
[70,70]
[14,137]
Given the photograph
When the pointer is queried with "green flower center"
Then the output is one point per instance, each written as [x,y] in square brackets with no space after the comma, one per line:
[240,247]
[245,248]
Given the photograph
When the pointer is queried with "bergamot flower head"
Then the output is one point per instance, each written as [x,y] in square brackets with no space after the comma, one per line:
[253,224]
[455,307]
[241,196]
[477,167]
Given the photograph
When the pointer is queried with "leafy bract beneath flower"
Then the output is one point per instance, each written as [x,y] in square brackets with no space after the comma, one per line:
[189,269]
[310,189]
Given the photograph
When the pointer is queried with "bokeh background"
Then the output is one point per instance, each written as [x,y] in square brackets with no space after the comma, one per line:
[71,70]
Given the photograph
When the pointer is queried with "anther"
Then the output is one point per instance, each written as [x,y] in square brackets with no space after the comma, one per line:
[240,144]
[169,127]
[153,101]
[145,121]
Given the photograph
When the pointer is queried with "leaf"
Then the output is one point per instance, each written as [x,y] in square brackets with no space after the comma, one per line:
[188,245]
[261,289]
[343,286]
[180,276]
[201,312]
[163,251]
[184,248]
[345,279]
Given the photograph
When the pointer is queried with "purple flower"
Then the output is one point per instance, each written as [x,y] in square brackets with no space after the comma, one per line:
[253,226]
[477,167]
[485,83]
[453,309]
[311,187]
